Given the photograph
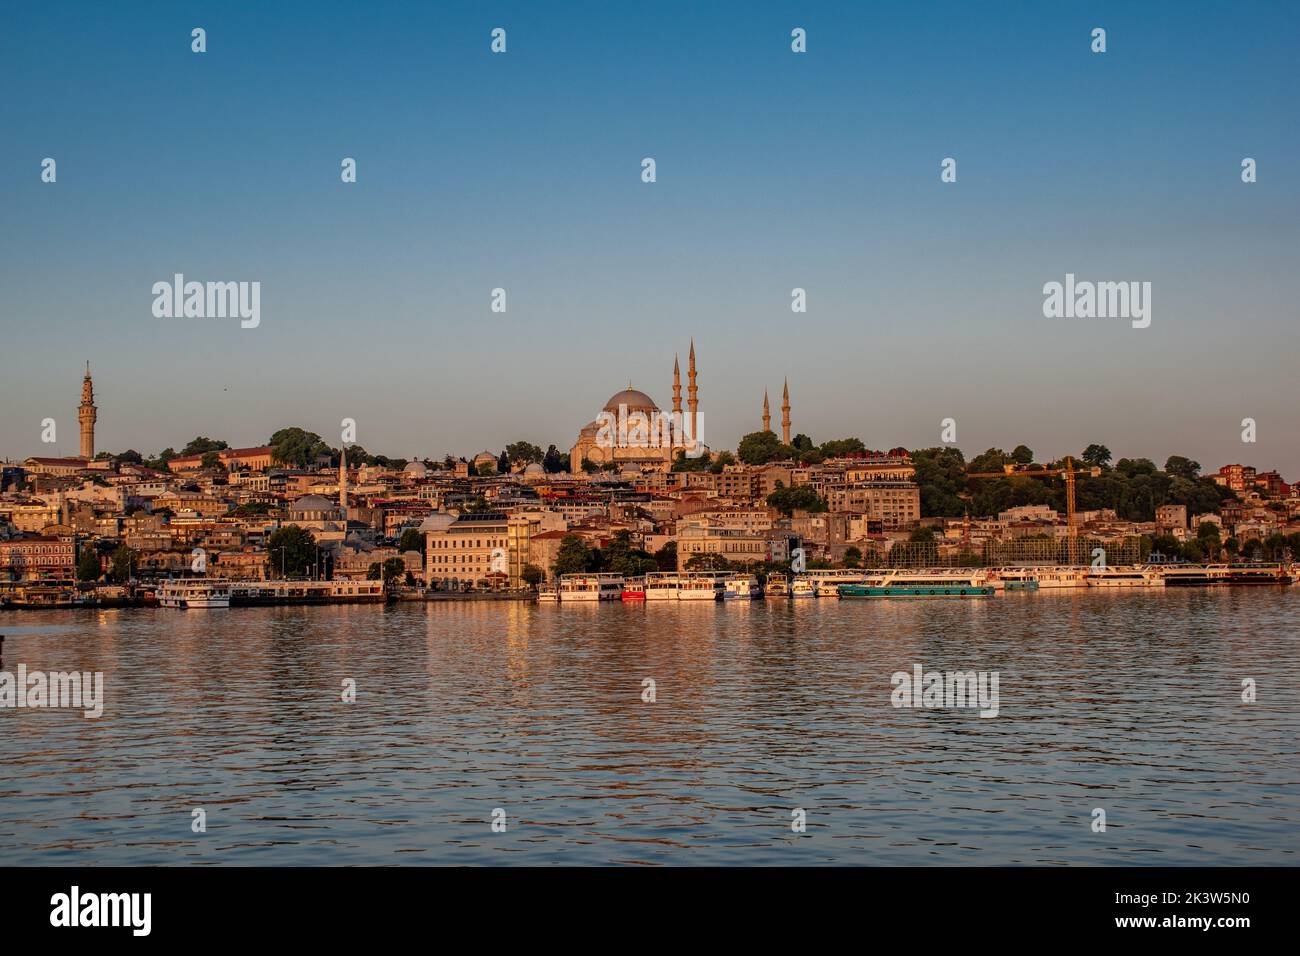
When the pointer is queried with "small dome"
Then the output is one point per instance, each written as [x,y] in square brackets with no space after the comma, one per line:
[534,469]
[417,469]
[313,503]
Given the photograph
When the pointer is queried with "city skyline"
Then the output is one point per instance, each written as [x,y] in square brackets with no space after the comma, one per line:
[87,415]
[818,171]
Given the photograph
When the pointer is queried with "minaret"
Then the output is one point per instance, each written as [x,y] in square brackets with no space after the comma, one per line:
[86,415]
[767,415]
[693,396]
[785,414]
[343,482]
[677,406]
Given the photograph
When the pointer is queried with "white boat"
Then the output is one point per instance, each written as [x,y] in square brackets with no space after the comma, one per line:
[1126,577]
[743,587]
[591,587]
[803,588]
[778,585]
[548,594]
[662,586]
[182,593]
[1059,577]
[701,586]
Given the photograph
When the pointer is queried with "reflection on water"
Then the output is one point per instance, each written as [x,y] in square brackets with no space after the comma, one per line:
[1129,702]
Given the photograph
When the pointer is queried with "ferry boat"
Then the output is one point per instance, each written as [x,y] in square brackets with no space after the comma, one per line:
[1060,576]
[1124,577]
[1014,579]
[743,587]
[701,586]
[916,584]
[340,591]
[548,595]
[1258,574]
[662,586]
[194,592]
[1191,575]
[803,588]
[826,581]
[778,585]
[634,590]
[591,587]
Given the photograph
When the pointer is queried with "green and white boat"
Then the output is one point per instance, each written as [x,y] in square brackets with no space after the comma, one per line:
[923,584]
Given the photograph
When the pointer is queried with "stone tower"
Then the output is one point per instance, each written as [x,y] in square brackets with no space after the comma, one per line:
[767,415]
[86,415]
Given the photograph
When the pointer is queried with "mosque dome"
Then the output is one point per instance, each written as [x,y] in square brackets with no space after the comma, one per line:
[534,469]
[417,469]
[635,401]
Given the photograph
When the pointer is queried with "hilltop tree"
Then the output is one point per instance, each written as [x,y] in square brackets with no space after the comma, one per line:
[297,447]
[840,447]
[554,462]
[200,445]
[523,453]
[1096,455]
[1180,467]
[758,448]
[1022,455]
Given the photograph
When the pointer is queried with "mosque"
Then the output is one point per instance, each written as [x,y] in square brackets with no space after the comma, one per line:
[631,431]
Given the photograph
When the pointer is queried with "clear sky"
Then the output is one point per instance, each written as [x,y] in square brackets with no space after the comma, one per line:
[775,170]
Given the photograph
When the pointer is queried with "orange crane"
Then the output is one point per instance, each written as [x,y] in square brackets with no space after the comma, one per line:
[1069,473]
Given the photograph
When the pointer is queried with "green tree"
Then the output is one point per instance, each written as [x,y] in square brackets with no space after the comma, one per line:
[803,497]
[486,469]
[394,568]
[554,462]
[291,550]
[523,453]
[721,461]
[201,445]
[1021,455]
[296,447]
[666,557]
[802,443]
[758,448]
[1096,455]
[123,565]
[503,464]
[840,447]
[533,575]
[411,540]
[573,557]
[211,461]
[375,572]
[852,557]
[130,457]
[1180,467]
[88,568]
[685,463]
[708,562]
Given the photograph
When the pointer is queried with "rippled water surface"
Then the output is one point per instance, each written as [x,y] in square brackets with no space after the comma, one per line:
[1129,702]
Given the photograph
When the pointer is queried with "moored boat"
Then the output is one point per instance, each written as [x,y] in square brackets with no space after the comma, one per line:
[591,587]
[778,585]
[743,587]
[548,595]
[1258,574]
[194,593]
[1124,577]
[803,588]
[633,590]
[918,584]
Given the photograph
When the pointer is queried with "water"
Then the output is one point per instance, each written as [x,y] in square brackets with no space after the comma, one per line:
[1129,702]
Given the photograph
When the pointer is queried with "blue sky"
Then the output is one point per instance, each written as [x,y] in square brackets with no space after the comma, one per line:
[775,170]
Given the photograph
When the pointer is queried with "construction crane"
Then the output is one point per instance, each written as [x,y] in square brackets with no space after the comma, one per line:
[1069,473]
